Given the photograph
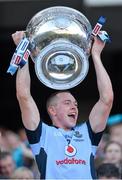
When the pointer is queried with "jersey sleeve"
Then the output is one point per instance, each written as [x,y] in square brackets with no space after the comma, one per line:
[95,137]
[35,135]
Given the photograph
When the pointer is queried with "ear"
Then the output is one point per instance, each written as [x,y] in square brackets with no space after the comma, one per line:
[52,110]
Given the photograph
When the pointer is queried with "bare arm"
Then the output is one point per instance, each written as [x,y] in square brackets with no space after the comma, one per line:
[29,110]
[102,108]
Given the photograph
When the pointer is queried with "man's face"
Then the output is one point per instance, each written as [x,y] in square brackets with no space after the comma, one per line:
[7,166]
[66,111]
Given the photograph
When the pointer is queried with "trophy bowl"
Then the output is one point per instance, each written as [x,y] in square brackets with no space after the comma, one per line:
[62,37]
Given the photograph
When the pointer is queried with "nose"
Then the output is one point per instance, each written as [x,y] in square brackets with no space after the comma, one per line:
[73,106]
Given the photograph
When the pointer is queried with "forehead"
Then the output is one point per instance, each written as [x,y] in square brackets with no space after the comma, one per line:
[116,128]
[6,160]
[65,96]
[113,145]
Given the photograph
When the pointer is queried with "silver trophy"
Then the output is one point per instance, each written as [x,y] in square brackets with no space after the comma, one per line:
[62,37]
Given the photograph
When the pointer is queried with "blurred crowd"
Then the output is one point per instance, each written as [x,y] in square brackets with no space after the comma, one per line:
[17,161]
[16,158]
[109,154]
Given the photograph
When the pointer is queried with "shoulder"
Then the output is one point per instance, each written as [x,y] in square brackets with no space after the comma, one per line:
[35,135]
[85,127]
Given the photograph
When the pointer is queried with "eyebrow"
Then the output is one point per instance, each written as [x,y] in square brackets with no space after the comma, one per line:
[67,100]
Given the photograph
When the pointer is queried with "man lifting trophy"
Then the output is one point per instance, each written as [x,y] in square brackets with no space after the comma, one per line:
[60,41]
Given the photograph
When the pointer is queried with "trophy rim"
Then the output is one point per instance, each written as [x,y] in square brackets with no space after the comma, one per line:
[52,8]
[73,14]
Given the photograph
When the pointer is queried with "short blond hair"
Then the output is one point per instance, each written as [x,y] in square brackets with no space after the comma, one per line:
[52,98]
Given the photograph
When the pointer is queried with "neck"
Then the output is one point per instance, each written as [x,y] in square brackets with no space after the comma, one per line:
[62,127]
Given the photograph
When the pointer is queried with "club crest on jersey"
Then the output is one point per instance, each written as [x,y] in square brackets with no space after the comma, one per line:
[77,134]
[70,150]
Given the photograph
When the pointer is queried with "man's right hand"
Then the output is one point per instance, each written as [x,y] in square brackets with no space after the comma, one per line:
[17,36]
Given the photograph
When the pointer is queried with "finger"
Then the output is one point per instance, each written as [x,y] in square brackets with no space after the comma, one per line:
[99,41]
[18,34]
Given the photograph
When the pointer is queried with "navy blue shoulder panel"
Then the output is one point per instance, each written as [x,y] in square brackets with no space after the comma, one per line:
[95,137]
[34,136]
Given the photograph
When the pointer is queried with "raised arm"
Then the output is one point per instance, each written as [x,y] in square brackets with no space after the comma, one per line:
[29,110]
[102,108]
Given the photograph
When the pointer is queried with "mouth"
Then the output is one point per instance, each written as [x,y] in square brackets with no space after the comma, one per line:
[72,115]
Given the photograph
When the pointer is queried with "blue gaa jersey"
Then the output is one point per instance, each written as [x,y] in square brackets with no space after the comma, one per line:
[64,154]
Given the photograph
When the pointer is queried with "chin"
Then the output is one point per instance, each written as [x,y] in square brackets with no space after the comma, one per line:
[72,125]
